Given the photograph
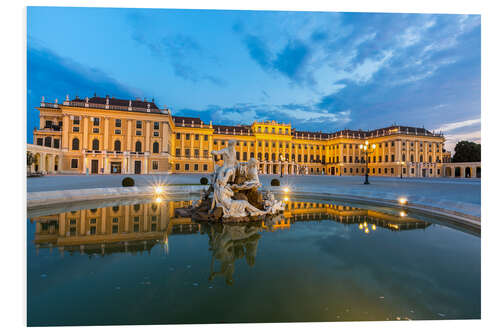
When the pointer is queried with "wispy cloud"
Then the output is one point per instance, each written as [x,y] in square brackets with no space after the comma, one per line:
[176,48]
[448,127]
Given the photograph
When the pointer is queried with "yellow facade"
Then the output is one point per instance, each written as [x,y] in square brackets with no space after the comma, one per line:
[109,135]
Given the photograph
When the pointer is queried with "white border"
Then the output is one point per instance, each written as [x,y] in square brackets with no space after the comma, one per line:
[13,97]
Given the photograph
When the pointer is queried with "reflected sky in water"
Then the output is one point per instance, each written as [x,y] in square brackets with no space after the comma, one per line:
[135,262]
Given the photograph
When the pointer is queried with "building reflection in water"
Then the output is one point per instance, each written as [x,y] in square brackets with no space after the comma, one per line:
[138,227]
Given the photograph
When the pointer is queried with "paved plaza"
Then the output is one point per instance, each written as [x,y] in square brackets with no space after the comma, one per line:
[460,195]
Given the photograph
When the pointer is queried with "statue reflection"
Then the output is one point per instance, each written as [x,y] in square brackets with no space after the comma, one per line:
[231,242]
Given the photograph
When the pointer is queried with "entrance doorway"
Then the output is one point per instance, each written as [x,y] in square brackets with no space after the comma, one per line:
[94,166]
[137,167]
[424,172]
[116,167]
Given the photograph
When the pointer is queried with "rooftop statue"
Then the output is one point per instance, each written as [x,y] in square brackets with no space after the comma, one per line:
[233,193]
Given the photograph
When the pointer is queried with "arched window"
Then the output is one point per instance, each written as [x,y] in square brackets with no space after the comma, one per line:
[421,158]
[412,159]
[95,144]
[138,146]
[118,145]
[156,148]
[75,144]
[404,158]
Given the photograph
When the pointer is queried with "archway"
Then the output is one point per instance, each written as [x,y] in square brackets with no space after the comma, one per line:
[447,172]
[478,172]
[37,162]
[467,172]
[458,172]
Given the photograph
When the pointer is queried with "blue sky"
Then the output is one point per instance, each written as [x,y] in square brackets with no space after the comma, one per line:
[316,70]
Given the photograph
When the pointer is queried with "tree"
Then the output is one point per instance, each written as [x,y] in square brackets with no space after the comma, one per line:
[466,151]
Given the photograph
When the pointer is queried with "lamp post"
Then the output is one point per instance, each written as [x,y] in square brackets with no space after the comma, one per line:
[367,149]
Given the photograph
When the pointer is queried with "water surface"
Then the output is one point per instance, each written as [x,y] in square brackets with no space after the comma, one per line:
[134,262]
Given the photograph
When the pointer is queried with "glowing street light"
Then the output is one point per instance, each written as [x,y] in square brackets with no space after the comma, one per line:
[367,149]
[158,189]
[402,201]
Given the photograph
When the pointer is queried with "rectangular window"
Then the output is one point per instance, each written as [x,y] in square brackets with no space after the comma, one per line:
[205,138]
[186,167]
[197,137]
[187,152]
[95,130]
[156,125]
[115,229]
[136,228]
[177,166]
[115,219]
[76,129]
[72,221]
[96,121]
[156,133]
[118,123]
[153,227]
[76,120]
[136,218]
[155,165]
[178,152]
[93,230]
[39,141]
[205,153]
[56,143]
[74,163]
[196,167]
[392,158]
[93,221]
[196,153]
[238,155]
[244,156]
[138,133]
[117,131]
[205,167]
[138,124]
[188,136]
[178,136]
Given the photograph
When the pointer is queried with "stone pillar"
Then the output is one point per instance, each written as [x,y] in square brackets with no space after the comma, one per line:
[129,135]
[164,218]
[164,138]
[42,162]
[62,224]
[104,220]
[83,222]
[127,218]
[145,217]
[85,133]
[65,133]
[148,136]
[106,133]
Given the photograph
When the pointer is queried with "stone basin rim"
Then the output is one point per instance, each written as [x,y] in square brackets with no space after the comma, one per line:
[49,198]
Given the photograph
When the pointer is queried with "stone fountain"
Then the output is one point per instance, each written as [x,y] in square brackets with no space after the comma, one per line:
[233,194]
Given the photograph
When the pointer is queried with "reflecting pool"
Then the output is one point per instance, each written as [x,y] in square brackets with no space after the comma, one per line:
[135,262]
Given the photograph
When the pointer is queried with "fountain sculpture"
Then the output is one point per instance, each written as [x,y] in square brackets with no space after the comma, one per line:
[233,194]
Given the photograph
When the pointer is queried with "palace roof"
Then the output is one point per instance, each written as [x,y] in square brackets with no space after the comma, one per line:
[136,103]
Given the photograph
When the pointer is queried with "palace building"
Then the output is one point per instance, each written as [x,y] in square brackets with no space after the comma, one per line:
[103,135]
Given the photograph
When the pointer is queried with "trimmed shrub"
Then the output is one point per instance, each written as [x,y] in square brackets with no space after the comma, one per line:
[275,182]
[203,181]
[127,181]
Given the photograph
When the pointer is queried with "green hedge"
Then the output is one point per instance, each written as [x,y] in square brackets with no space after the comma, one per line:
[127,181]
